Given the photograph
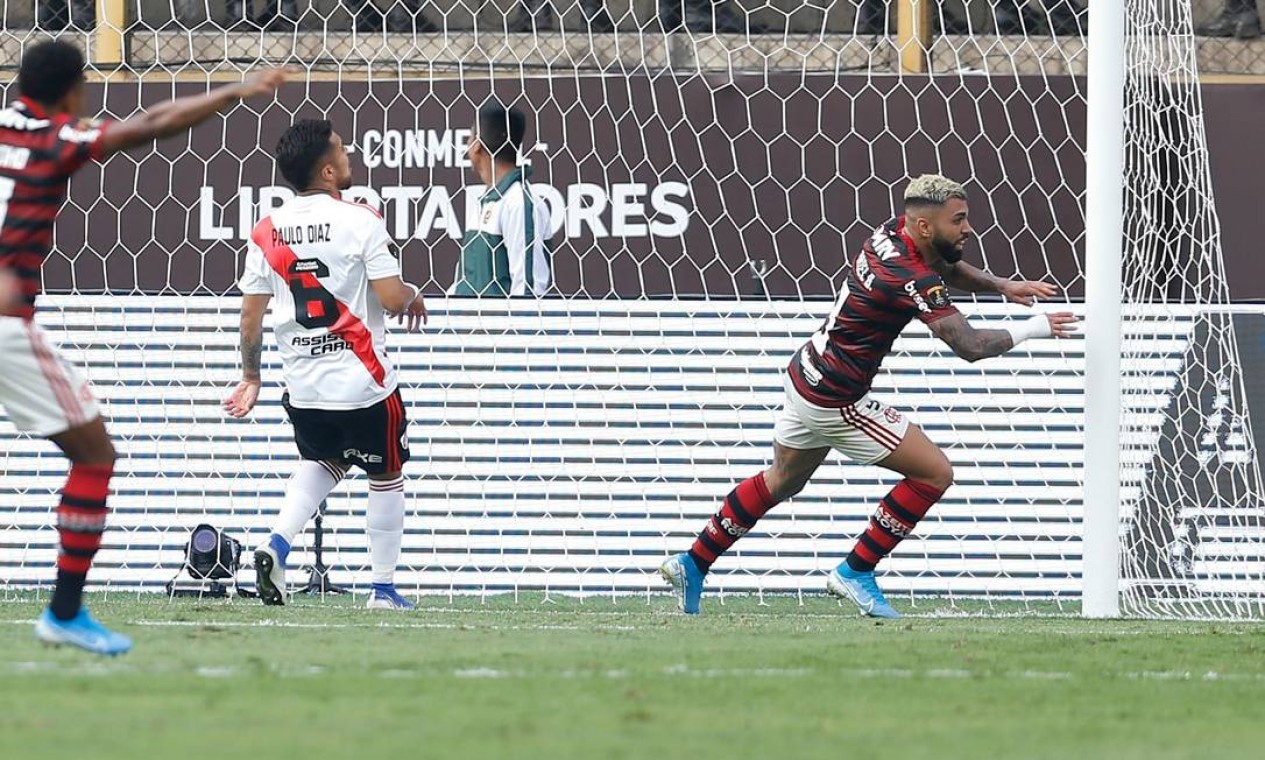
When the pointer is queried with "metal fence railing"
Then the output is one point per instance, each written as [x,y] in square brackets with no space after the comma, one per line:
[911,35]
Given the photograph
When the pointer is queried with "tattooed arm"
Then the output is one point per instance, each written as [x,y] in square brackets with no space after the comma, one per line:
[972,279]
[973,345]
[969,343]
[246,393]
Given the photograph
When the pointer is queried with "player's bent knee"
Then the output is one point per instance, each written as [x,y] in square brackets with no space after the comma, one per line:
[785,481]
[782,487]
[791,470]
[109,454]
[88,444]
[940,477]
[100,452]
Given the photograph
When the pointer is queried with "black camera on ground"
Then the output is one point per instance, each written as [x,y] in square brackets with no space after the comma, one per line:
[210,557]
[211,554]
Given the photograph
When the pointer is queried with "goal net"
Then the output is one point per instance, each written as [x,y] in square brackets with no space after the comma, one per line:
[1192,504]
[706,189]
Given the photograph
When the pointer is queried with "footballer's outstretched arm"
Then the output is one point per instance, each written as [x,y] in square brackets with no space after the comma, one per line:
[967,342]
[244,396]
[972,344]
[176,116]
[972,279]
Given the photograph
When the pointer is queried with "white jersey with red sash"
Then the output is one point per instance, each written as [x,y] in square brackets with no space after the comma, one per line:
[315,256]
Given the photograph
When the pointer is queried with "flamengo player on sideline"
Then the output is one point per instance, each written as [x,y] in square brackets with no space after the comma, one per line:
[43,141]
[900,274]
[329,264]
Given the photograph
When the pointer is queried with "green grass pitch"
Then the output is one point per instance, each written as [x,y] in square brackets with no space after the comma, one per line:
[530,678]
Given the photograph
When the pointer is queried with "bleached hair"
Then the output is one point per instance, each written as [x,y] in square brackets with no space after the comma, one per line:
[933,189]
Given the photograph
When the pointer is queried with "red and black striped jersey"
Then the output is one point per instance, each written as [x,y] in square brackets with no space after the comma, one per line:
[885,287]
[38,153]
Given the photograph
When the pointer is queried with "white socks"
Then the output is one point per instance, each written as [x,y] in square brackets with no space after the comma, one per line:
[313,481]
[308,486]
[385,526]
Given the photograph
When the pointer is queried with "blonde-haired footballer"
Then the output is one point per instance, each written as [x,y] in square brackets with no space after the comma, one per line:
[902,273]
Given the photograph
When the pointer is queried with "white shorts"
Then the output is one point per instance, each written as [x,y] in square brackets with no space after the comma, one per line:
[865,432]
[42,393]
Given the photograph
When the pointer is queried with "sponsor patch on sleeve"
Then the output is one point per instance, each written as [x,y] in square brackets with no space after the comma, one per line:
[938,296]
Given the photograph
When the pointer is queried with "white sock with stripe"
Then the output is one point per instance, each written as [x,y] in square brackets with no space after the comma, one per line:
[309,485]
[385,518]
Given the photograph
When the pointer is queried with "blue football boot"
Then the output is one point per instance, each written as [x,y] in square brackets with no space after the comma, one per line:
[81,631]
[861,589]
[686,580]
[385,597]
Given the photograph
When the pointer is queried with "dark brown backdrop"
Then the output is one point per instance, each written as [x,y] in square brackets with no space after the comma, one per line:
[803,167]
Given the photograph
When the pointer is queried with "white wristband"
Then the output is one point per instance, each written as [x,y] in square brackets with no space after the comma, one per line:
[1032,327]
[416,292]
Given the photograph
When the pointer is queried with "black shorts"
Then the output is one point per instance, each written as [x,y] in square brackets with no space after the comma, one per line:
[375,438]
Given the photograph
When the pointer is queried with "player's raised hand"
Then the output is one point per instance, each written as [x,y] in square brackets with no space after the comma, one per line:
[175,116]
[262,82]
[1026,292]
[415,313]
[243,399]
[1063,324]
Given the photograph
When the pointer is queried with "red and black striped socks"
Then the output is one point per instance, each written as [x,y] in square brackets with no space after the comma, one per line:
[80,523]
[737,515]
[893,521]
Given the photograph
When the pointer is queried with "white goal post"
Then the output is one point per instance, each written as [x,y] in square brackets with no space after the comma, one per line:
[1104,228]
